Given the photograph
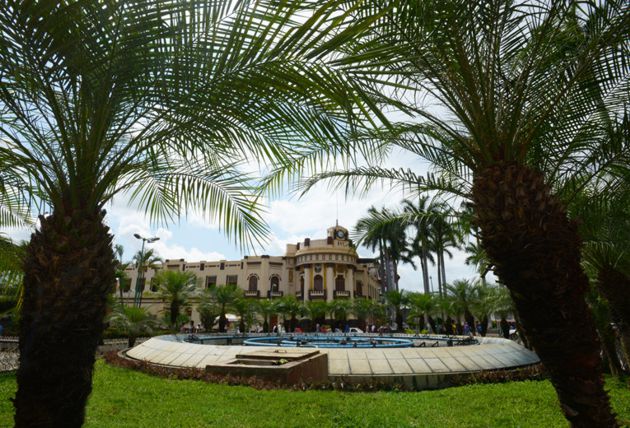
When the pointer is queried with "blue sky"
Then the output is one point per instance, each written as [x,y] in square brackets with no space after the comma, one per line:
[291,219]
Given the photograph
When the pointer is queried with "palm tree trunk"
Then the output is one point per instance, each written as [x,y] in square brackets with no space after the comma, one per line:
[68,274]
[443,268]
[439,275]
[424,263]
[615,286]
[536,252]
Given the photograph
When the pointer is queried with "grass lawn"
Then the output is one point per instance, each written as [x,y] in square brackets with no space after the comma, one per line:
[123,398]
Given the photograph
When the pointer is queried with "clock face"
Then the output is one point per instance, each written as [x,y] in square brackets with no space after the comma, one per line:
[341,234]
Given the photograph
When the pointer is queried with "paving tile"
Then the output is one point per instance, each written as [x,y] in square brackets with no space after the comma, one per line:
[391,354]
[452,364]
[338,367]
[359,366]
[380,367]
[418,365]
[436,365]
[399,366]
[409,353]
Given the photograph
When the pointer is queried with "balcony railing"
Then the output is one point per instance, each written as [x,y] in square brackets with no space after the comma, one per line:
[317,294]
[272,294]
[342,293]
[250,293]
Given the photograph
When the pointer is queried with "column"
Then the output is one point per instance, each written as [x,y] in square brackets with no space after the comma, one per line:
[350,280]
[307,281]
[330,282]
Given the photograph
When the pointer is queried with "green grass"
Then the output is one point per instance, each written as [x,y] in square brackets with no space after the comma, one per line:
[124,398]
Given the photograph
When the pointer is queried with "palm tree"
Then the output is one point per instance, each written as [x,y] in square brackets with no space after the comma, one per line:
[378,231]
[288,306]
[161,100]
[396,300]
[462,298]
[176,288]
[225,296]
[364,310]
[423,216]
[266,308]
[208,310]
[443,236]
[317,311]
[340,309]
[133,322]
[145,260]
[246,309]
[605,225]
[524,94]
[423,305]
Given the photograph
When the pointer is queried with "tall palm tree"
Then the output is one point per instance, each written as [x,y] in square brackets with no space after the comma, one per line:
[246,309]
[377,231]
[289,306]
[443,236]
[316,311]
[524,94]
[176,288]
[161,100]
[145,260]
[422,213]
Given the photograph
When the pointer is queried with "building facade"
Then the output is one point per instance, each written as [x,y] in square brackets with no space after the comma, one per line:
[314,269]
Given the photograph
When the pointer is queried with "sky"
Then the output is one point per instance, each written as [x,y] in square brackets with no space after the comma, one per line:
[290,220]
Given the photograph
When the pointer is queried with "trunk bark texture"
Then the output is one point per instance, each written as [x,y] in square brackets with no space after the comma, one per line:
[69,271]
[536,252]
[615,286]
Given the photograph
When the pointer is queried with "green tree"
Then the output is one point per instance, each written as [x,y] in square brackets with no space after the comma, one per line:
[161,100]
[364,310]
[462,294]
[340,309]
[288,306]
[396,300]
[375,231]
[266,309]
[317,312]
[133,322]
[422,306]
[245,308]
[225,296]
[520,96]
[208,310]
[176,288]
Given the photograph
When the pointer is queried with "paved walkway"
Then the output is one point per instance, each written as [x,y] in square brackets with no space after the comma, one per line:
[420,367]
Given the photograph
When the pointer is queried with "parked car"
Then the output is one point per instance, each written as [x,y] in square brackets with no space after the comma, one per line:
[355,330]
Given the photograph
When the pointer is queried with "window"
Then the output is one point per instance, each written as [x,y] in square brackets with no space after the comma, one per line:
[154,284]
[340,283]
[202,266]
[275,283]
[318,283]
[211,281]
[253,283]
[359,288]
[231,280]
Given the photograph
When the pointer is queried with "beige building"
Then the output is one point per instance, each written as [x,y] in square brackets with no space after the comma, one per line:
[315,269]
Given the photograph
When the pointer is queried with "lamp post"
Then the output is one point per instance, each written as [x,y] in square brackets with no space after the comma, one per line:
[138,296]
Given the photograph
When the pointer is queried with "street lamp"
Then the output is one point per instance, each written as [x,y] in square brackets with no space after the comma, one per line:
[138,296]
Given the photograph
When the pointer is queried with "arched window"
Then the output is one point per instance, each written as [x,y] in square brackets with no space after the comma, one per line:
[318,283]
[253,283]
[275,283]
[340,283]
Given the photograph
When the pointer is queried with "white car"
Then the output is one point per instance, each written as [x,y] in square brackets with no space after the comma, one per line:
[355,330]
